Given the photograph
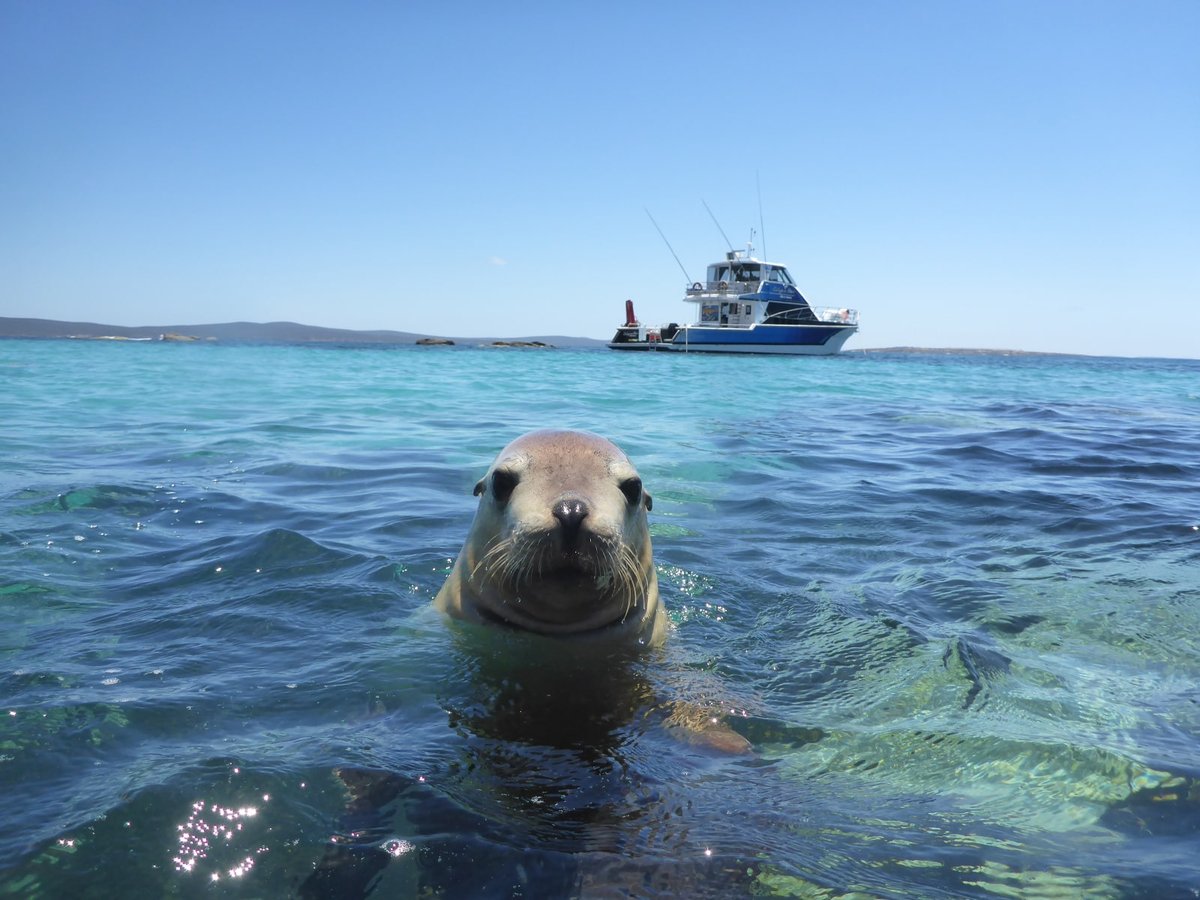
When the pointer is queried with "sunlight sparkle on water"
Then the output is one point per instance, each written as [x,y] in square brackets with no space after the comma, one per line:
[209,828]
[396,846]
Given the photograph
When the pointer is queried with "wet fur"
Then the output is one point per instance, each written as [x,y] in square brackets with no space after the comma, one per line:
[519,561]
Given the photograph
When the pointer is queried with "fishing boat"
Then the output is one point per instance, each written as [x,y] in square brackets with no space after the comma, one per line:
[745,305]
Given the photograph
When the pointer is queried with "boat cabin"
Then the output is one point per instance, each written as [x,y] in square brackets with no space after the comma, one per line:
[740,269]
[741,291]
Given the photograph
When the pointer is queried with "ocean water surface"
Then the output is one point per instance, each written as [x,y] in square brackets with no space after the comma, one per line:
[952,602]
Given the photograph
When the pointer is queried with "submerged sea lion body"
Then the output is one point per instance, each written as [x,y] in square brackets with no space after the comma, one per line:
[560,544]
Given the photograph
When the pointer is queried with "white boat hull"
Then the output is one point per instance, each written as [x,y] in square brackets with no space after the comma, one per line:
[784,340]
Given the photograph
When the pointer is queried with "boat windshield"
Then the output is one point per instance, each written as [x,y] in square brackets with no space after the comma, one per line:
[783,313]
[747,273]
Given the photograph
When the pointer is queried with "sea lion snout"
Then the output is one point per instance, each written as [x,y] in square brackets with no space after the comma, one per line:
[570,512]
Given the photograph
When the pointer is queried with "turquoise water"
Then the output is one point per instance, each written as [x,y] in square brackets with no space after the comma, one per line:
[952,601]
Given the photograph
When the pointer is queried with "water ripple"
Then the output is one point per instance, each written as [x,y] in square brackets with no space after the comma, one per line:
[950,601]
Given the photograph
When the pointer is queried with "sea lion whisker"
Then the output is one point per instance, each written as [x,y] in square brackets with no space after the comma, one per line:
[488,560]
[504,564]
[522,566]
[619,585]
[540,561]
[632,579]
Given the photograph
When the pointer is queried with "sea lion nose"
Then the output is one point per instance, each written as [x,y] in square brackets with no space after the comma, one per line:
[570,512]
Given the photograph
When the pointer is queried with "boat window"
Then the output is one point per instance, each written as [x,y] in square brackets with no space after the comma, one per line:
[789,313]
[746,273]
[717,274]
[780,276]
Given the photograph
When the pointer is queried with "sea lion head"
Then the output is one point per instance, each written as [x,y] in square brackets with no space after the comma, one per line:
[560,542]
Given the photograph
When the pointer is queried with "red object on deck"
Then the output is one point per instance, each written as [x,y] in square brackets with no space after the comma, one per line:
[630,318]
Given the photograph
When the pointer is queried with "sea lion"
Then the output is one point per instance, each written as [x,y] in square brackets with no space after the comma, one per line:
[560,544]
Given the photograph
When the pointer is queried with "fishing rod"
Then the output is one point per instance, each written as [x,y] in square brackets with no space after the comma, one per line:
[718,224]
[762,229]
[669,247]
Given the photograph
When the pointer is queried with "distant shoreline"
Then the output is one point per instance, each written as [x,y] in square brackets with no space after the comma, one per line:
[296,333]
[261,333]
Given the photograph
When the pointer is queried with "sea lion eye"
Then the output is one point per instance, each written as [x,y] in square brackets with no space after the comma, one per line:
[504,483]
[632,489]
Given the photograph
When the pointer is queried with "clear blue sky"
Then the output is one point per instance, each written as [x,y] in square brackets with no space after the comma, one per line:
[1008,174]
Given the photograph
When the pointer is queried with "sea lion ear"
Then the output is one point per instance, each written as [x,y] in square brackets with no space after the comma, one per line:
[479,486]
[648,500]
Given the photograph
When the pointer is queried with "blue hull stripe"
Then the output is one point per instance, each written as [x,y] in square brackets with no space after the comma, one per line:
[774,336]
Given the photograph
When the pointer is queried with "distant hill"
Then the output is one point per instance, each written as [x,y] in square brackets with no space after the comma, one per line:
[295,333]
[252,332]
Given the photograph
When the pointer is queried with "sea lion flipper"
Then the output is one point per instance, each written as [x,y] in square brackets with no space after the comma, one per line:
[701,727]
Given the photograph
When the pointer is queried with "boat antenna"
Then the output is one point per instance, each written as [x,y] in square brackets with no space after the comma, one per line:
[669,247]
[718,224]
[762,229]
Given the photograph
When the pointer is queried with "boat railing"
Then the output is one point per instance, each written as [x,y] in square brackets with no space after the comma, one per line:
[834,315]
[722,287]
